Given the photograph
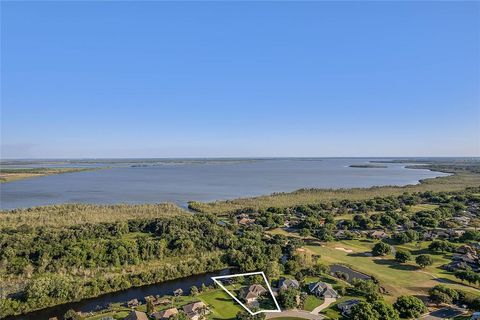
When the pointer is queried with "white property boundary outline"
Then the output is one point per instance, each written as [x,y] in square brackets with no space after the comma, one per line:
[237,300]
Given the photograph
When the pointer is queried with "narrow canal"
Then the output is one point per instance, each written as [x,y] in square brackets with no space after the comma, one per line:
[101,302]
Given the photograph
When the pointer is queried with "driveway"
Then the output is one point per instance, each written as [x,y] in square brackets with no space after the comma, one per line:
[294,313]
[324,305]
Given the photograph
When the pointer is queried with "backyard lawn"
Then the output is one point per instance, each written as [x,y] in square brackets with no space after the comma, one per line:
[223,306]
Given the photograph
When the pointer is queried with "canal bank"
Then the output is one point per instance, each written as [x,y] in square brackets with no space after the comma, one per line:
[104,300]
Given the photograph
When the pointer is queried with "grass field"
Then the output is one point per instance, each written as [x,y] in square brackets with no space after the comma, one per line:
[456,182]
[397,278]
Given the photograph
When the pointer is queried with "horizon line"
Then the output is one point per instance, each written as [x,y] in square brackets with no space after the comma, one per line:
[237,157]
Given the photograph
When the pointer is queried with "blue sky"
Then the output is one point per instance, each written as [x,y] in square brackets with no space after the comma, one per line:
[200,79]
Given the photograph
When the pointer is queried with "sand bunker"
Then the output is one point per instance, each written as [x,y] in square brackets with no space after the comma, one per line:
[343,249]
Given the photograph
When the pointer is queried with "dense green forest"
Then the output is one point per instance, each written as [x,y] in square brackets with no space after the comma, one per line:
[45,265]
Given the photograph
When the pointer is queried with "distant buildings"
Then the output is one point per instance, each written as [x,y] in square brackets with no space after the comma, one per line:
[246,221]
[465,258]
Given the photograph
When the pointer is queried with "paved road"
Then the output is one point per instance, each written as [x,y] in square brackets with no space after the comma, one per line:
[324,305]
[295,313]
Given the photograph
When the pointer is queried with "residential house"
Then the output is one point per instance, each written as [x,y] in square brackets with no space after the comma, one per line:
[178,292]
[195,310]
[346,307]
[455,233]
[455,266]
[429,235]
[378,234]
[164,314]
[465,249]
[462,220]
[467,258]
[133,303]
[340,234]
[434,234]
[136,315]
[246,221]
[285,284]
[162,301]
[442,234]
[322,289]
[251,294]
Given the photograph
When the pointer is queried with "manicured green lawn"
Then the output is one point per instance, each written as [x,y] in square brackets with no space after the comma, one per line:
[312,302]
[223,306]
[397,278]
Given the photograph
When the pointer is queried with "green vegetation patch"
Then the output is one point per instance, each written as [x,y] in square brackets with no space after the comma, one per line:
[224,307]
[458,181]
[311,302]
[66,215]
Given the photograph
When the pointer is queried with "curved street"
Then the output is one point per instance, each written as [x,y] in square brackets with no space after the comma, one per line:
[294,313]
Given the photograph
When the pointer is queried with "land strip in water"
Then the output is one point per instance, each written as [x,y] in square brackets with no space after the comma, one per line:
[13,174]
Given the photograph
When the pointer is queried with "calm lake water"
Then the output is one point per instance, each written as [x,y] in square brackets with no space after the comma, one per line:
[101,302]
[180,181]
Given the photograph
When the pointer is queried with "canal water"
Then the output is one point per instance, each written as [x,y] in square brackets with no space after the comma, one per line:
[101,302]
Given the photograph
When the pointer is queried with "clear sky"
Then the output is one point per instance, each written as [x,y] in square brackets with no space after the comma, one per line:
[213,79]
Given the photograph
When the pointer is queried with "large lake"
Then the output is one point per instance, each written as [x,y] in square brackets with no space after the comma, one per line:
[180,181]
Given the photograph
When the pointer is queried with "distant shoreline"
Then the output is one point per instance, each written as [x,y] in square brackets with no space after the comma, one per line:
[461,176]
[15,174]
[375,166]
